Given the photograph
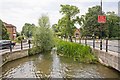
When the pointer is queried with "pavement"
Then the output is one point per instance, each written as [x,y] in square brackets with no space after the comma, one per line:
[17,47]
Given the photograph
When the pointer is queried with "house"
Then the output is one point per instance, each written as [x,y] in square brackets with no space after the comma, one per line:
[77,33]
[11,30]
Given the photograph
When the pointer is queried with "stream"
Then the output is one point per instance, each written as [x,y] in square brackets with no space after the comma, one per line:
[51,65]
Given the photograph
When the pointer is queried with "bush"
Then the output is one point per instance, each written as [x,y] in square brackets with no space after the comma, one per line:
[19,38]
[78,52]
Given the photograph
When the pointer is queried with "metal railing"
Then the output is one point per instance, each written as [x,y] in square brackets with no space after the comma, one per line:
[107,45]
[20,46]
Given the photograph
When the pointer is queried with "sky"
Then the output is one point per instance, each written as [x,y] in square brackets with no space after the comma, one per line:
[19,12]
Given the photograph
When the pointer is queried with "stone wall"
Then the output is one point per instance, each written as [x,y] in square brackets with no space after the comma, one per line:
[4,58]
[111,59]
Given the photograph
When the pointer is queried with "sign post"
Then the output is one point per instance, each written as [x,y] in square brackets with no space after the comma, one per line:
[101,20]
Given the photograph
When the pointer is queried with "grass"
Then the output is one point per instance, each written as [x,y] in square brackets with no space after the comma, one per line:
[76,51]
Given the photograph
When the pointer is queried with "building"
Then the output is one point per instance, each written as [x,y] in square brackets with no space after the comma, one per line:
[11,30]
[77,33]
[119,8]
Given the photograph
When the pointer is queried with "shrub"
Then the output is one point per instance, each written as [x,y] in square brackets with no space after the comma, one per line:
[19,38]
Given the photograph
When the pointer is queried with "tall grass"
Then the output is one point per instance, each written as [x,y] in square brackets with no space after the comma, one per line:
[77,51]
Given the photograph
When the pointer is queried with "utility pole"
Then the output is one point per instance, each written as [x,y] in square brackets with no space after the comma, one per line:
[101,29]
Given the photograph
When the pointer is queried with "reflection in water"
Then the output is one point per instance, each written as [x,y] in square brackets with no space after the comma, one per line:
[52,65]
[43,65]
[56,66]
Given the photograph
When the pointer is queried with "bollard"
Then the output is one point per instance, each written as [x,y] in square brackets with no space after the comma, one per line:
[93,42]
[106,44]
[10,46]
[100,44]
[29,43]
[21,45]
[75,39]
[80,40]
[85,41]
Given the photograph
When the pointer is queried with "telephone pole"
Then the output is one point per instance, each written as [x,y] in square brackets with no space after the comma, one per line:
[101,29]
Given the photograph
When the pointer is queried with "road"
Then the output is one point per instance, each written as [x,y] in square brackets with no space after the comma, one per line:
[15,48]
[113,45]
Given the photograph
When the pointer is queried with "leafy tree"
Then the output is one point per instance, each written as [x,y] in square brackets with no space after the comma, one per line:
[113,26]
[56,29]
[17,34]
[3,33]
[90,23]
[43,36]
[66,23]
[28,29]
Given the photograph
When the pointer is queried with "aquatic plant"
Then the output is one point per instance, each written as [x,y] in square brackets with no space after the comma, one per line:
[76,51]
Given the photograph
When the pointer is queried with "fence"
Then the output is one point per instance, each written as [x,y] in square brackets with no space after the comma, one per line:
[106,44]
[20,46]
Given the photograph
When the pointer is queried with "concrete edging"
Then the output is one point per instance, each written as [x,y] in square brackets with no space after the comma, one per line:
[110,59]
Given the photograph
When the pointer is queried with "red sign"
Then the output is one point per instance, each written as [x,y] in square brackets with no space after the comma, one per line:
[101,19]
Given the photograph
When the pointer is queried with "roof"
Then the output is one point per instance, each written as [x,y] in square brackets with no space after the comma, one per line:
[8,25]
[77,30]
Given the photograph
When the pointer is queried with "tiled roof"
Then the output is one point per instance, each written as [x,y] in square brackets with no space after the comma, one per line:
[8,25]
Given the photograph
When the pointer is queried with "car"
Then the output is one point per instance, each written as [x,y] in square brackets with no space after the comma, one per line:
[5,44]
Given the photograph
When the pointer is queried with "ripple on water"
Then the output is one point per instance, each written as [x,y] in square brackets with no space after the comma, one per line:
[54,66]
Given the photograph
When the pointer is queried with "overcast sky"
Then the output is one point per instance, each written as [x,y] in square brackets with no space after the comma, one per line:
[18,12]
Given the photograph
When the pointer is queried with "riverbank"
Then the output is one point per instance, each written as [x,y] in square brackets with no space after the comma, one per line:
[110,59]
[11,56]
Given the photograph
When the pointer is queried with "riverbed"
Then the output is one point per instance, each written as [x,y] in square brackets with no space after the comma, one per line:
[51,65]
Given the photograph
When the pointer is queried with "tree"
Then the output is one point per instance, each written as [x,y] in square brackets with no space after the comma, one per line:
[56,30]
[28,29]
[3,32]
[17,34]
[91,25]
[67,21]
[113,26]
[43,36]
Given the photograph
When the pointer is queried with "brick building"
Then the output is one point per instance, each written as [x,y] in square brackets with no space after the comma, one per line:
[11,30]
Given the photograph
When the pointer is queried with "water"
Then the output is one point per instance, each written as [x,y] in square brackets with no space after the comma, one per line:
[53,66]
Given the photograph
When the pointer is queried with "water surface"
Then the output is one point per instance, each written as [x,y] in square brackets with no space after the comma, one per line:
[53,66]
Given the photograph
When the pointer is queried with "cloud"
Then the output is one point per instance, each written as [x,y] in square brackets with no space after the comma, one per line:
[18,12]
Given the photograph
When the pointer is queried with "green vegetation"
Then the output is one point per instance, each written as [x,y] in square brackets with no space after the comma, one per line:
[76,51]
[113,22]
[3,31]
[88,22]
[19,39]
[28,29]
[43,39]
[90,25]
[65,25]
